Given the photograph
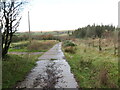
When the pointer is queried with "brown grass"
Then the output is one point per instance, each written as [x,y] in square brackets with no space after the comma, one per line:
[45,45]
[103,75]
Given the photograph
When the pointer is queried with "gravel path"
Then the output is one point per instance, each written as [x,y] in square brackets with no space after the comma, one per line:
[52,71]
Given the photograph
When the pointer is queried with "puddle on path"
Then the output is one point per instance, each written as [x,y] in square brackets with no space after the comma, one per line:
[52,71]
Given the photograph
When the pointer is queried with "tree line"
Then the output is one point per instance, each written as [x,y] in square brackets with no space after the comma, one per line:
[93,31]
[100,32]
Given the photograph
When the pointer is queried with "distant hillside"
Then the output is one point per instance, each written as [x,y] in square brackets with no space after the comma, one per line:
[45,32]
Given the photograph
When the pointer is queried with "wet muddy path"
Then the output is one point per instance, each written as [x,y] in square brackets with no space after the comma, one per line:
[52,71]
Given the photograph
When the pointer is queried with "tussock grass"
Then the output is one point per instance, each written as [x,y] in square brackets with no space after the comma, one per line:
[70,49]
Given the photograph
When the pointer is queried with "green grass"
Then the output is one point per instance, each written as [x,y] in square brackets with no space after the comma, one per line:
[15,68]
[89,68]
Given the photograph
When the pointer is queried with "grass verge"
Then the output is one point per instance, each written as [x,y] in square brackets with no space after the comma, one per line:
[93,69]
[15,68]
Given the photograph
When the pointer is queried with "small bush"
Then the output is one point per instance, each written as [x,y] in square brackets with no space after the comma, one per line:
[68,43]
[70,49]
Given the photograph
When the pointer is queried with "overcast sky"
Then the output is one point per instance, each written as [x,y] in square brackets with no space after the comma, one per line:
[48,15]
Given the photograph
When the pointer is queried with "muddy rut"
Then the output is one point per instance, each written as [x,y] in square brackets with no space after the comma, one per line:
[52,71]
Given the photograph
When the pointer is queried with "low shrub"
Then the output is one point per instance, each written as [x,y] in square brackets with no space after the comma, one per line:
[70,49]
[68,43]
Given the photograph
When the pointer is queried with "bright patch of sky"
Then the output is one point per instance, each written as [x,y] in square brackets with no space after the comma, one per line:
[48,15]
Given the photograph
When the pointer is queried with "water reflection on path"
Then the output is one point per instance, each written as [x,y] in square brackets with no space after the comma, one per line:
[52,71]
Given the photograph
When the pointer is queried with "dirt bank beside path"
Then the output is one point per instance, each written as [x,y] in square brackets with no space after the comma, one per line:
[52,71]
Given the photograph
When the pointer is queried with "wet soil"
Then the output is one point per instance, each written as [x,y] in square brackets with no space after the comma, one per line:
[52,71]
